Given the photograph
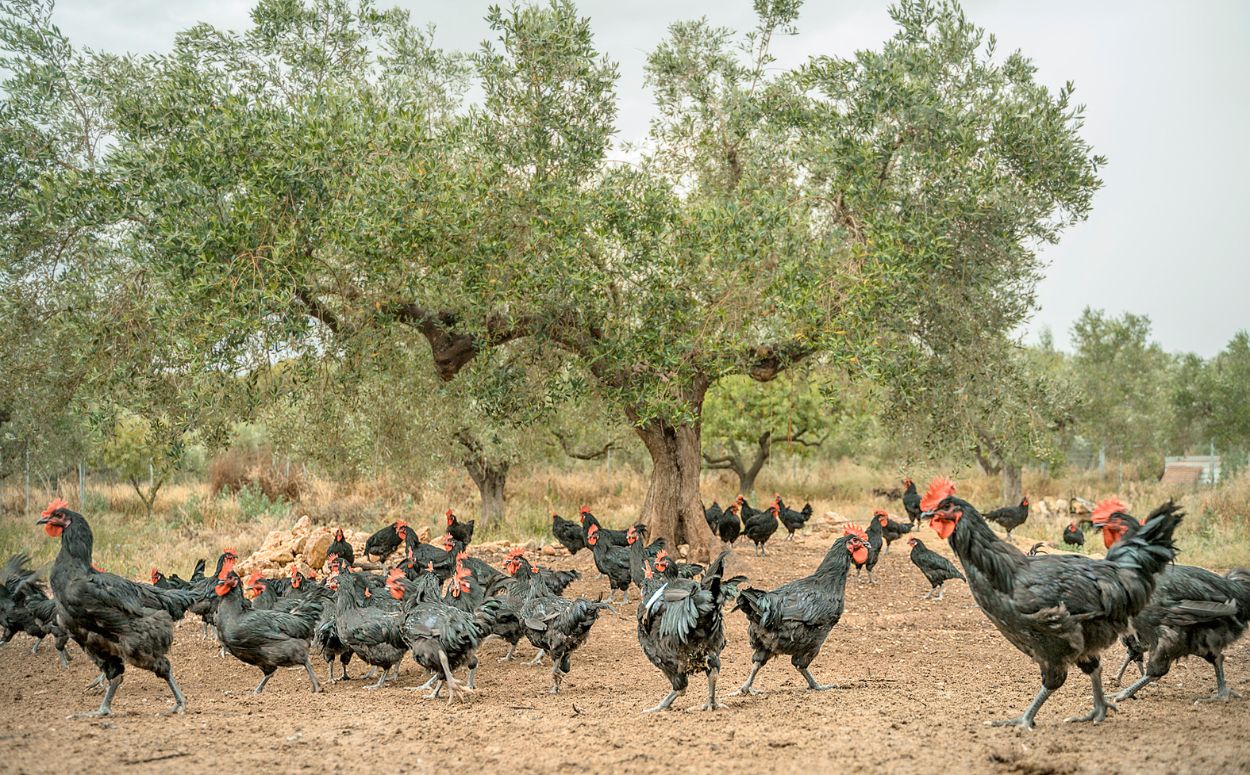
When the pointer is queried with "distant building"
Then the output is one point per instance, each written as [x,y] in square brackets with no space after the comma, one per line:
[1191,470]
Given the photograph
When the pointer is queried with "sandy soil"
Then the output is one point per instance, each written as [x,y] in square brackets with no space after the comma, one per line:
[922,678]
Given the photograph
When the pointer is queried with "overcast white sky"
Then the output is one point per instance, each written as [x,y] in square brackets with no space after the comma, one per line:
[1167,86]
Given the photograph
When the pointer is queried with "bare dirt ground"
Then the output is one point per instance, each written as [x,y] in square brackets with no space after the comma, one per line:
[922,679]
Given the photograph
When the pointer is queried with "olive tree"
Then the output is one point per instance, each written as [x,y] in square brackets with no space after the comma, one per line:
[316,179]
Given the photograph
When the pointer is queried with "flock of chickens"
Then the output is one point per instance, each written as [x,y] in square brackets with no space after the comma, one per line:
[438,604]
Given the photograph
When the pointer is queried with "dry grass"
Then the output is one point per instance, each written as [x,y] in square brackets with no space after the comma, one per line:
[190,522]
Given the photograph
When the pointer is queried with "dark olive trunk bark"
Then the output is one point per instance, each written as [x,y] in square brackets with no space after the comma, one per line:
[673,508]
[1013,487]
[490,479]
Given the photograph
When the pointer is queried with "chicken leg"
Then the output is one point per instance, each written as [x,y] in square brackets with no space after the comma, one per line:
[711,703]
[746,688]
[1101,706]
[1026,720]
[1222,692]
[312,676]
[260,687]
[106,704]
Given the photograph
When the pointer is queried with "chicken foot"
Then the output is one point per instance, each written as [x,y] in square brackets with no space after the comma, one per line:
[1101,706]
[538,658]
[667,702]
[107,703]
[1222,692]
[508,657]
[1026,720]
[746,688]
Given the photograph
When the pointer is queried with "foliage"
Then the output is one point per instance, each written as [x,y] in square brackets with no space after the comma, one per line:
[144,451]
[1126,383]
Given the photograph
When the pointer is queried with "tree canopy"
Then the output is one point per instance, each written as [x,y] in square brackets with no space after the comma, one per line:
[315,185]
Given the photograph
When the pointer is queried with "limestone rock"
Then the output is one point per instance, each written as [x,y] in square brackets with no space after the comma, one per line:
[315,548]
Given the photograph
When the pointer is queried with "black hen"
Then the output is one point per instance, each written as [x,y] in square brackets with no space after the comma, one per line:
[911,503]
[25,607]
[267,639]
[1192,612]
[795,618]
[936,569]
[1010,517]
[759,526]
[891,530]
[340,547]
[383,543]
[460,532]
[729,527]
[1072,535]
[557,626]
[793,520]
[568,533]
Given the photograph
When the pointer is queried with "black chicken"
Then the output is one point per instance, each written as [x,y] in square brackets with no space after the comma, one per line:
[891,530]
[383,543]
[1072,535]
[1192,612]
[712,515]
[557,626]
[461,532]
[911,503]
[267,639]
[612,561]
[793,520]
[681,628]
[444,637]
[116,621]
[1057,609]
[936,569]
[759,527]
[1010,517]
[367,623]
[729,527]
[796,618]
[25,607]
[568,533]
[340,547]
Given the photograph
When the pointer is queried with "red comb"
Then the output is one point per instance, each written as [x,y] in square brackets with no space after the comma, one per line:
[855,530]
[881,513]
[1105,508]
[584,509]
[939,489]
[56,503]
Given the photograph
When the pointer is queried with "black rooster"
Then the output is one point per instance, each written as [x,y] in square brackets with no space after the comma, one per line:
[1060,610]
[681,628]
[116,621]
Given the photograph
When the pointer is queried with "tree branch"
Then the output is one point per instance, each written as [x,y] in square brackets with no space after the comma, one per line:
[768,361]
[598,454]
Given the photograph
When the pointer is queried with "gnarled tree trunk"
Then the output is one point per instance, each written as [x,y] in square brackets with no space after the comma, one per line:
[673,508]
[490,479]
[489,476]
[1013,486]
